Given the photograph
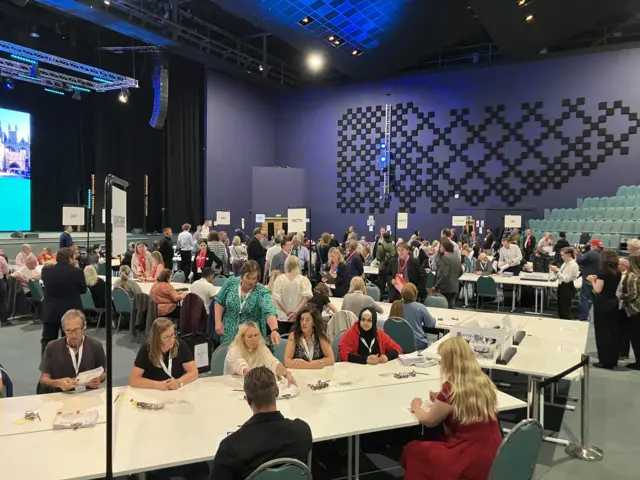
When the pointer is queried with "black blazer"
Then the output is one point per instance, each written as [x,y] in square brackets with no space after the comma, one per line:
[63,285]
[265,436]
[342,285]
[255,251]
[165,247]
[211,258]
[415,275]
[487,243]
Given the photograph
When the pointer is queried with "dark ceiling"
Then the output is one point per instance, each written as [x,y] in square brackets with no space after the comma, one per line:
[389,36]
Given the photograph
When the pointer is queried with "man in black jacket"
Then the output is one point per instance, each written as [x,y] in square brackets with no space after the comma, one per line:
[256,251]
[448,273]
[487,243]
[165,247]
[409,269]
[267,435]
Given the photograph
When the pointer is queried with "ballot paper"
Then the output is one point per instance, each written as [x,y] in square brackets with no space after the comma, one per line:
[286,389]
[85,377]
[426,406]
[76,420]
[417,360]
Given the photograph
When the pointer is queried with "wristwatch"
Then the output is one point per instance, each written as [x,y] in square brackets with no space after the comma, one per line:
[181,384]
[275,330]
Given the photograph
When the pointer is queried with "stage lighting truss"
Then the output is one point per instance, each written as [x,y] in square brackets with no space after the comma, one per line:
[100,81]
[386,153]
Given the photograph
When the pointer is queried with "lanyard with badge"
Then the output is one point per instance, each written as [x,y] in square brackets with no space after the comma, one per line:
[243,300]
[369,347]
[307,350]
[167,368]
[76,360]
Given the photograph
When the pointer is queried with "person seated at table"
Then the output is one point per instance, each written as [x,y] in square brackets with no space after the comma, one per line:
[164,363]
[128,256]
[337,270]
[141,262]
[357,299]
[365,252]
[204,258]
[320,299]
[27,272]
[467,406]
[125,283]
[308,347]
[249,350]
[166,296]
[157,266]
[415,313]
[96,285]
[290,293]
[510,257]
[204,288]
[46,255]
[545,241]
[267,435]
[365,343]
[21,258]
[94,255]
[483,266]
[65,358]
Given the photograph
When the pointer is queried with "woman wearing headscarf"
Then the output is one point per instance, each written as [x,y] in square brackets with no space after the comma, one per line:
[364,343]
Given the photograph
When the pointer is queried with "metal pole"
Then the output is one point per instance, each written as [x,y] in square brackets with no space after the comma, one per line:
[533,403]
[583,450]
[109,250]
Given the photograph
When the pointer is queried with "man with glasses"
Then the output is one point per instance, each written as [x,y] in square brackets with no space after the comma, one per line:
[65,358]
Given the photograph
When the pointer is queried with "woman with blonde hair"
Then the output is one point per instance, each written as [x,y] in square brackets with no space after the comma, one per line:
[467,406]
[96,285]
[158,266]
[249,350]
[357,299]
[290,293]
[354,261]
[238,255]
[164,363]
[337,271]
[141,262]
[125,283]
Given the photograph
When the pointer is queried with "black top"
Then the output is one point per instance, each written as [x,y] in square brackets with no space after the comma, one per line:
[342,286]
[99,293]
[126,260]
[319,301]
[256,251]
[611,281]
[165,247]
[265,436]
[211,259]
[56,360]
[157,373]
[63,285]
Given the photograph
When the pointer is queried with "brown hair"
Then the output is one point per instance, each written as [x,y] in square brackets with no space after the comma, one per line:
[65,255]
[322,289]
[325,239]
[446,244]
[403,245]
[164,276]
[396,309]
[446,233]
[409,293]
[159,326]
[249,267]
[213,236]
[569,251]
[609,261]
[186,227]
[260,387]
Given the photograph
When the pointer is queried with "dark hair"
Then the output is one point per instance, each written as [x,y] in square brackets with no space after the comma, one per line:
[65,255]
[207,272]
[562,235]
[96,246]
[403,245]
[260,387]
[204,242]
[249,267]
[386,236]
[288,238]
[608,261]
[447,245]
[569,251]
[257,230]
[213,236]
[318,324]
[322,289]
[164,276]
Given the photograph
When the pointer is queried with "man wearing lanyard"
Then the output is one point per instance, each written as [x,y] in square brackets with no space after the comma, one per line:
[65,358]
[302,253]
[405,269]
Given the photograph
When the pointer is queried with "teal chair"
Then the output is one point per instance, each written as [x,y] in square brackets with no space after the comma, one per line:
[37,295]
[436,301]
[179,277]
[553,215]
[486,288]
[217,360]
[628,213]
[102,269]
[279,348]
[373,291]
[622,191]
[88,305]
[281,469]
[431,279]
[402,333]
[334,346]
[518,453]
[123,305]
[629,202]
[219,281]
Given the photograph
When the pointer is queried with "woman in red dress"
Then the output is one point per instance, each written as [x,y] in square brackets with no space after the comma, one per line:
[467,406]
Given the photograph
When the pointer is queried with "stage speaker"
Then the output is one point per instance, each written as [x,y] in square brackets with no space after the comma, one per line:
[17,234]
[160,94]
[32,235]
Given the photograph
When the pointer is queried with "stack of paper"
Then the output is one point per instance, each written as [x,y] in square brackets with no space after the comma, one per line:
[86,377]
[76,420]
[416,359]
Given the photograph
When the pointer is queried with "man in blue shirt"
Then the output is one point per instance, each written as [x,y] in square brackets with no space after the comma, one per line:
[65,237]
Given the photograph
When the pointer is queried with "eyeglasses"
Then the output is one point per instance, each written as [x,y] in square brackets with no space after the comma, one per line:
[75,331]
[166,338]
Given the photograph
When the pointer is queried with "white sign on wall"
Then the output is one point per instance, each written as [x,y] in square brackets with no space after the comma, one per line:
[260,217]
[513,221]
[119,220]
[297,218]
[72,215]
[223,217]
[403,220]
[458,221]
[242,223]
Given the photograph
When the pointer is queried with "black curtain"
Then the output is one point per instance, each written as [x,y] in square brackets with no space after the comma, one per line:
[100,135]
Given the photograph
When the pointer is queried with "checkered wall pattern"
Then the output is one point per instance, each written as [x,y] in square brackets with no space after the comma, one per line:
[446,164]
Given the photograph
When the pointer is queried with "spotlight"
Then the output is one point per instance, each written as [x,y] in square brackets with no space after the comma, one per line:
[305,21]
[124,95]
[34,32]
[523,3]
[8,84]
[383,146]
[331,38]
[529,18]
[107,2]
[35,70]
[356,51]
[261,68]
[335,40]
[76,95]
[315,62]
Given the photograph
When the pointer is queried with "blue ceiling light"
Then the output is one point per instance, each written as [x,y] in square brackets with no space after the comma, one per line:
[56,92]
[23,59]
[80,89]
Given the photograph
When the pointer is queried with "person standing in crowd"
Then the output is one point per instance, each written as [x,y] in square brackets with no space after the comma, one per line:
[323,247]
[290,294]
[302,252]
[473,243]
[65,237]
[271,252]
[487,242]
[464,236]
[4,274]
[378,241]
[605,310]
[337,270]
[347,234]
[238,256]
[560,244]
[354,263]
[566,274]
[385,253]
[510,257]
[165,247]
[243,299]
[197,238]
[456,249]
[467,405]
[453,237]
[589,265]
[404,269]
[267,435]
[63,286]
[623,320]
[217,247]
[529,245]
[448,272]
[277,262]
[185,246]
[257,252]
[204,258]
[320,299]
[629,294]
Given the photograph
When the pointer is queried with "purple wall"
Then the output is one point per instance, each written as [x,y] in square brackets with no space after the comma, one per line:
[275,189]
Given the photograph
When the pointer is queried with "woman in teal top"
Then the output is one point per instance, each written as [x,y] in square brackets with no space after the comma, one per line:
[244,299]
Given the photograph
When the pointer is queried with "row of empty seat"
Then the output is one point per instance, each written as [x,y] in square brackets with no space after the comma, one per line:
[599,213]
[622,227]
[609,240]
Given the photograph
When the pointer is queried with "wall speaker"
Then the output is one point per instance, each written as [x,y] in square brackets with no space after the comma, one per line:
[32,235]
[160,94]
[17,234]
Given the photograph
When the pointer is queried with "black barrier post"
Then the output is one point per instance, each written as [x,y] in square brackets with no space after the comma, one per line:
[109,183]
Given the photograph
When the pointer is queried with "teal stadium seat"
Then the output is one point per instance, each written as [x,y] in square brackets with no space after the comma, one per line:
[636,214]
[615,241]
[580,226]
[583,213]
[597,226]
[601,213]
[627,227]
[615,227]
[588,226]
[627,214]
[554,214]
[622,191]
[636,229]
[606,239]
[618,201]
[613,212]
[636,201]
[573,226]
[607,226]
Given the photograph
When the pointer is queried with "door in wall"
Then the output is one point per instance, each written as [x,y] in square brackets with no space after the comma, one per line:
[274,224]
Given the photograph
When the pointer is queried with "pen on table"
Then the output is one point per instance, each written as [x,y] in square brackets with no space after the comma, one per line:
[420,373]
[116,398]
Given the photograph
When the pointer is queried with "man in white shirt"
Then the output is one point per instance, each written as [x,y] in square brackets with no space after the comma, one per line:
[185,247]
[197,236]
[204,288]
[300,251]
[27,272]
[510,257]
[271,251]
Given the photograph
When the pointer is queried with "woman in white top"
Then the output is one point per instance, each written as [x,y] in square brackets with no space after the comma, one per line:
[566,274]
[357,299]
[249,350]
[238,255]
[290,294]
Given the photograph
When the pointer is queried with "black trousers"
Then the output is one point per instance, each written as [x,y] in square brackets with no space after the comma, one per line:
[451,299]
[3,300]
[623,326]
[634,335]
[516,269]
[606,326]
[50,332]
[566,292]
[185,262]
[382,282]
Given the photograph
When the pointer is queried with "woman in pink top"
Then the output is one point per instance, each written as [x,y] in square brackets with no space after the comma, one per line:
[157,266]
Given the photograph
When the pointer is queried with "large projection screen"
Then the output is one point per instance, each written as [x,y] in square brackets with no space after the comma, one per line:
[15,170]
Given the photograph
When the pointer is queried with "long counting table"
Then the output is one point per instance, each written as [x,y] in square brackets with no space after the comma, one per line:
[204,413]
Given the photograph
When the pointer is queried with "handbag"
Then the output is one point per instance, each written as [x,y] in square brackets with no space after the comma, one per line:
[201,346]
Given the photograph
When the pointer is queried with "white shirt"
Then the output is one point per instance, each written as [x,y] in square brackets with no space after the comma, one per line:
[290,292]
[545,242]
[235,363]
[510,256]
[271,251]
[569,271]
[205,290]
[27,275]
[185,241]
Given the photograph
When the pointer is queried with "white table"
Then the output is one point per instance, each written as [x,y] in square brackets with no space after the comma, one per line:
[338,411]
[146,286]
[369,270]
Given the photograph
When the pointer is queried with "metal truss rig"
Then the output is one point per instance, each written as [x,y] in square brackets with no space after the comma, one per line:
[101,80]
[386,151]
